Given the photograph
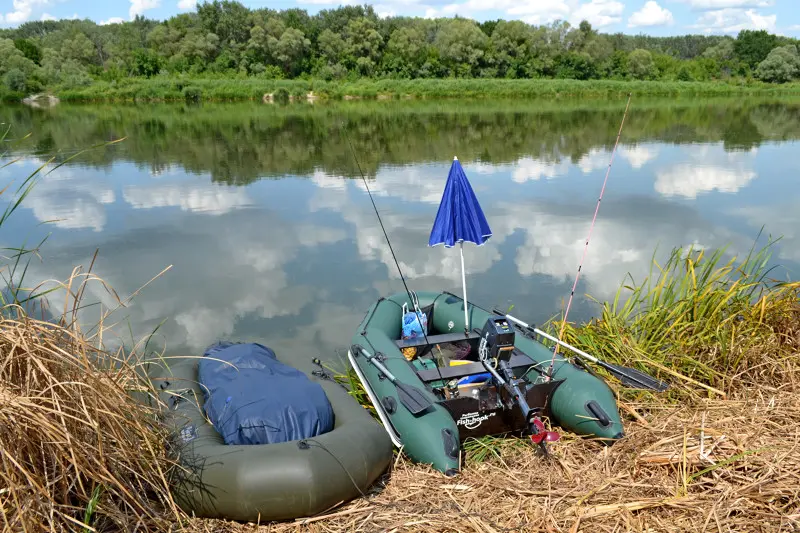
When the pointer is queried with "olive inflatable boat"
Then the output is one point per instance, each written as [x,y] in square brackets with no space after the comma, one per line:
[273,481]
[485,381]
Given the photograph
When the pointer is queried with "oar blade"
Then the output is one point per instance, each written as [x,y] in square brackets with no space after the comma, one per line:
[412,398]
[630,377]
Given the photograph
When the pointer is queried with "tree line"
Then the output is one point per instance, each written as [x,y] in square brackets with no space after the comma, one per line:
[225,38]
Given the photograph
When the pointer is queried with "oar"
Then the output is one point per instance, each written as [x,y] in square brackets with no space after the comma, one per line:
[630,377]
[411,397]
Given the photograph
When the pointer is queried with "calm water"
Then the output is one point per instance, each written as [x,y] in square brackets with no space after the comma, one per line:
[271,239]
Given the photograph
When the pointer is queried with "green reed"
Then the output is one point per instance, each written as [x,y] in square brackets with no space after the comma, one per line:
[698,320]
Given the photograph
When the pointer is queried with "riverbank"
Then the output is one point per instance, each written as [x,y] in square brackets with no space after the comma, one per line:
[187,89]
[719,449]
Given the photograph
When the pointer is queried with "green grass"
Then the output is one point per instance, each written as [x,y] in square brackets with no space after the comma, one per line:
[703,323]
[188,89]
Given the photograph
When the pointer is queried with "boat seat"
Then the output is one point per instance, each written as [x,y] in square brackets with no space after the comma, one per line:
[518,360]
[436,339]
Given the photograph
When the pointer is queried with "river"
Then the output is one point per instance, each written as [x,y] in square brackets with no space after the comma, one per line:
[260,213]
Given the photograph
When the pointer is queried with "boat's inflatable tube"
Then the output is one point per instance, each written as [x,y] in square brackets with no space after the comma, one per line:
[582,403]
[268,482]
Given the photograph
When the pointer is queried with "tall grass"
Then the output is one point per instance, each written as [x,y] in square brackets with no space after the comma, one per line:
[190,89]
[703,322]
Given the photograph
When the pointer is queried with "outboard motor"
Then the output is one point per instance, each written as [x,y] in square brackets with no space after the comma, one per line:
[495,350]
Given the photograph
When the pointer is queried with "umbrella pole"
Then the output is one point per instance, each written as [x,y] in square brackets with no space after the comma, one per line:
[464,286]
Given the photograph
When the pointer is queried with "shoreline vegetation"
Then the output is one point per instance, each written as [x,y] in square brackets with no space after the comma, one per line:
[719,449]
[311,91]
[224,50]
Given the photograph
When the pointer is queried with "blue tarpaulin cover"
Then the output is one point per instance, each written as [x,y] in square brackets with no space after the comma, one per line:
[252,398]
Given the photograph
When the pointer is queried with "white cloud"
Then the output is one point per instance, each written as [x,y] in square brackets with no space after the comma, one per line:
[47,16]
[638,155]
[599,13]
[203,198]
[532,169]
[733,20]
[722,4]
[385,11]
[709,168]
[71,202]
[651,14]
[23,9]
[112,20]
[138,7]
[187,4]
[688,181]
[542,12]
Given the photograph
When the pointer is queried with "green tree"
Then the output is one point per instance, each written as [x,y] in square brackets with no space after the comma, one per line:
[291,50]
[146,63]
[753,46]
[227,19]
[79,48]
[641,65]
[511,42]
[15,80]
[406,51]
[781,65]
[461,45]
[29,50]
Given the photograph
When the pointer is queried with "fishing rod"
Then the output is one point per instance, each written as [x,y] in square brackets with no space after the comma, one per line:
[411,299]
[586,247]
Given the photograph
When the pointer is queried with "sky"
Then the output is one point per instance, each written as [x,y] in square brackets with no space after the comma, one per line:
[652,17]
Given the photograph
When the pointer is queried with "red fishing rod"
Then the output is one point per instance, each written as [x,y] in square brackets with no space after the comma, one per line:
[586,247]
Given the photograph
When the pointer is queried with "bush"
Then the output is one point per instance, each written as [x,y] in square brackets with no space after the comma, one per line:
[192,94]
[15,80]
[281,95]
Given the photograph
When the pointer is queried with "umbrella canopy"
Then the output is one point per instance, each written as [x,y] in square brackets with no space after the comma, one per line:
[460,217]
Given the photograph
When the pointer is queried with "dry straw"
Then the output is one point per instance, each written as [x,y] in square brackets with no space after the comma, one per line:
[79,451]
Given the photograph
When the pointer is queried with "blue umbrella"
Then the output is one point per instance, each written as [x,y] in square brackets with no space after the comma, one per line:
[459,219]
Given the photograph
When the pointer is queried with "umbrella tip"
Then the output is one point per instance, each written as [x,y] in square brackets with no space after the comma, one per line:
[455,158]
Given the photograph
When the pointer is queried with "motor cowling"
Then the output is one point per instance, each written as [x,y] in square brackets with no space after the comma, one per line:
[498,335]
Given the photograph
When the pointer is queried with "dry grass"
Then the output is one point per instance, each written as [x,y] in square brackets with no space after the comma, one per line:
[78,450]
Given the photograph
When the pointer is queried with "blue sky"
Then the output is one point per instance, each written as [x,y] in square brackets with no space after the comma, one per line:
[654,17]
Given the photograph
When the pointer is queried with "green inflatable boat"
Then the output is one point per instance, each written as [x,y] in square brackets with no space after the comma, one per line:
[268,482]
[434,391]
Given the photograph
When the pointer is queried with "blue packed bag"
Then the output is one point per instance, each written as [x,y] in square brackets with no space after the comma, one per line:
[411,323]
[252,398]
